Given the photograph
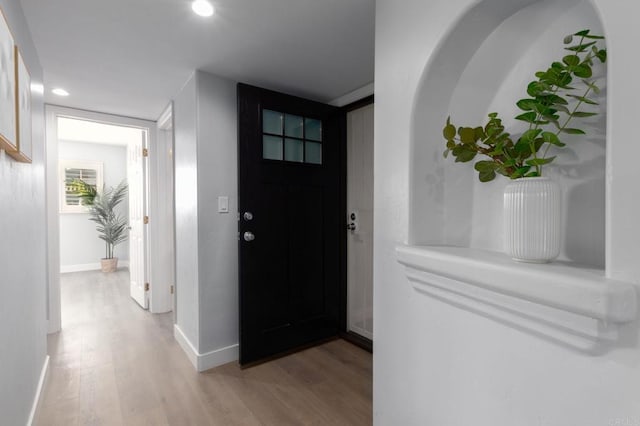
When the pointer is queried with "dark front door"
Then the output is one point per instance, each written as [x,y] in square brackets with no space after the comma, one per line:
[289,223]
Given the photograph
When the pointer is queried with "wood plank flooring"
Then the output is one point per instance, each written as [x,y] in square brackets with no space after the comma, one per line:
[116,364]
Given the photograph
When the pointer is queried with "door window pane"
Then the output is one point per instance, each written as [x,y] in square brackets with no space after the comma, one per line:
[293,150]
[290,137]
[313,129]
[271,122]
[293,126]
[271,147]
[313,153]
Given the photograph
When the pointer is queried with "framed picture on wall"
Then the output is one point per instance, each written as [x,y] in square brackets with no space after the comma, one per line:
[23,108]
[8,128]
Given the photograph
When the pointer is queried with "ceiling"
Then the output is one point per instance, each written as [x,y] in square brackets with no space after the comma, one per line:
[86,131]
[131,57]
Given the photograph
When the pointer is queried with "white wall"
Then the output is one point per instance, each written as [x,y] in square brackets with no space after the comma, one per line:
[206,241]
[23,278]
[186,197]
[436,364]
[79,242]
[217,240]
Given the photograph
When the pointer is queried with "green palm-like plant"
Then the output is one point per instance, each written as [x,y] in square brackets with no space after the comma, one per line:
[112,228]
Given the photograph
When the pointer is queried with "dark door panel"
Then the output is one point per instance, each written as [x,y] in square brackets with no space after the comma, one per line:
[289,182]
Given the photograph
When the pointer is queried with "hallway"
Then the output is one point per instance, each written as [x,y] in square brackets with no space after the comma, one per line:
[114,363]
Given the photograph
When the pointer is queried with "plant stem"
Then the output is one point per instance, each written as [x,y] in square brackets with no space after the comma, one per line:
[570,116]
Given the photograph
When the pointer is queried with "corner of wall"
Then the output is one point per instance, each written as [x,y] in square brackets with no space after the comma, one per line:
[186,209]
[206,361]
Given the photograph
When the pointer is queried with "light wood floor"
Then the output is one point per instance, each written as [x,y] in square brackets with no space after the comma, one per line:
[116,364]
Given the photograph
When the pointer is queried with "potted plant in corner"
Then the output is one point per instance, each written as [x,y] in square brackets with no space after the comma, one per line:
[112,228]
[531,201]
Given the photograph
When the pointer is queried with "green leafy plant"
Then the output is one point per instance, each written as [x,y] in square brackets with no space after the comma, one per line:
[112,228]
[559,95]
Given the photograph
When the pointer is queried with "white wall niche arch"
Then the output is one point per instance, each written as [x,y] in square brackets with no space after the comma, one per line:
[454,253]
[483,65]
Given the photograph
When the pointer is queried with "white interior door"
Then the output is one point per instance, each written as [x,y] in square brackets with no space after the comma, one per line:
[360,212]
[136,179]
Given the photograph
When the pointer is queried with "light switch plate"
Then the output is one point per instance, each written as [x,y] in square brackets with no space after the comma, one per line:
[223,204]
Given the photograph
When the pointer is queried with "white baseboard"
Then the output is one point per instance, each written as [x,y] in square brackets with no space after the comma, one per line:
[65,269]
[186,345]
[42,384]
[207,360]
[218,357]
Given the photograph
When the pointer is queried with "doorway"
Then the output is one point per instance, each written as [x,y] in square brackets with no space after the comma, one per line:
[359,201]
[136,161]
[303,276]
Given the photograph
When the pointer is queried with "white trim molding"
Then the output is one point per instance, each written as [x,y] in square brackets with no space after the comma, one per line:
[42,384]
[575,306]
[52,113]
[354,96]
[207,360]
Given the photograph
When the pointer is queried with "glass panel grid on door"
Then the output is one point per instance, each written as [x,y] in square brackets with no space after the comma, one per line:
[291,138]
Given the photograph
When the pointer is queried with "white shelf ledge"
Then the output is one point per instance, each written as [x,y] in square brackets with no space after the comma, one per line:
[572,305]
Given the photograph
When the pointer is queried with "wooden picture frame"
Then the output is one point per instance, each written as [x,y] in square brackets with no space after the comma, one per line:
[8,119]
[24,152]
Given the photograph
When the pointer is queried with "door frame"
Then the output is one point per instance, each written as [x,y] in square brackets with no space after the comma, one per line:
[52,112]
[345,334]
[161,253]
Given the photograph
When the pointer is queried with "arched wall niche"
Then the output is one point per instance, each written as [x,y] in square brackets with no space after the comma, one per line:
[483,64]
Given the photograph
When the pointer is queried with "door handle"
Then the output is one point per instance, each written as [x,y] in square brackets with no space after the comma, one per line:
[248,236]
[351,226]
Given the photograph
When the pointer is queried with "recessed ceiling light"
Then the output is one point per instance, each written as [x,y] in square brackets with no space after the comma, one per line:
[60,92]
[202,7]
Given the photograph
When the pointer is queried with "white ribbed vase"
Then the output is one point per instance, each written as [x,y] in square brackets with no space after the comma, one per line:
[532,219]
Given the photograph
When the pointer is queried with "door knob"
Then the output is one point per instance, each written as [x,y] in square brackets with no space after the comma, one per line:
[351,226]
[248,236]
[247,216]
